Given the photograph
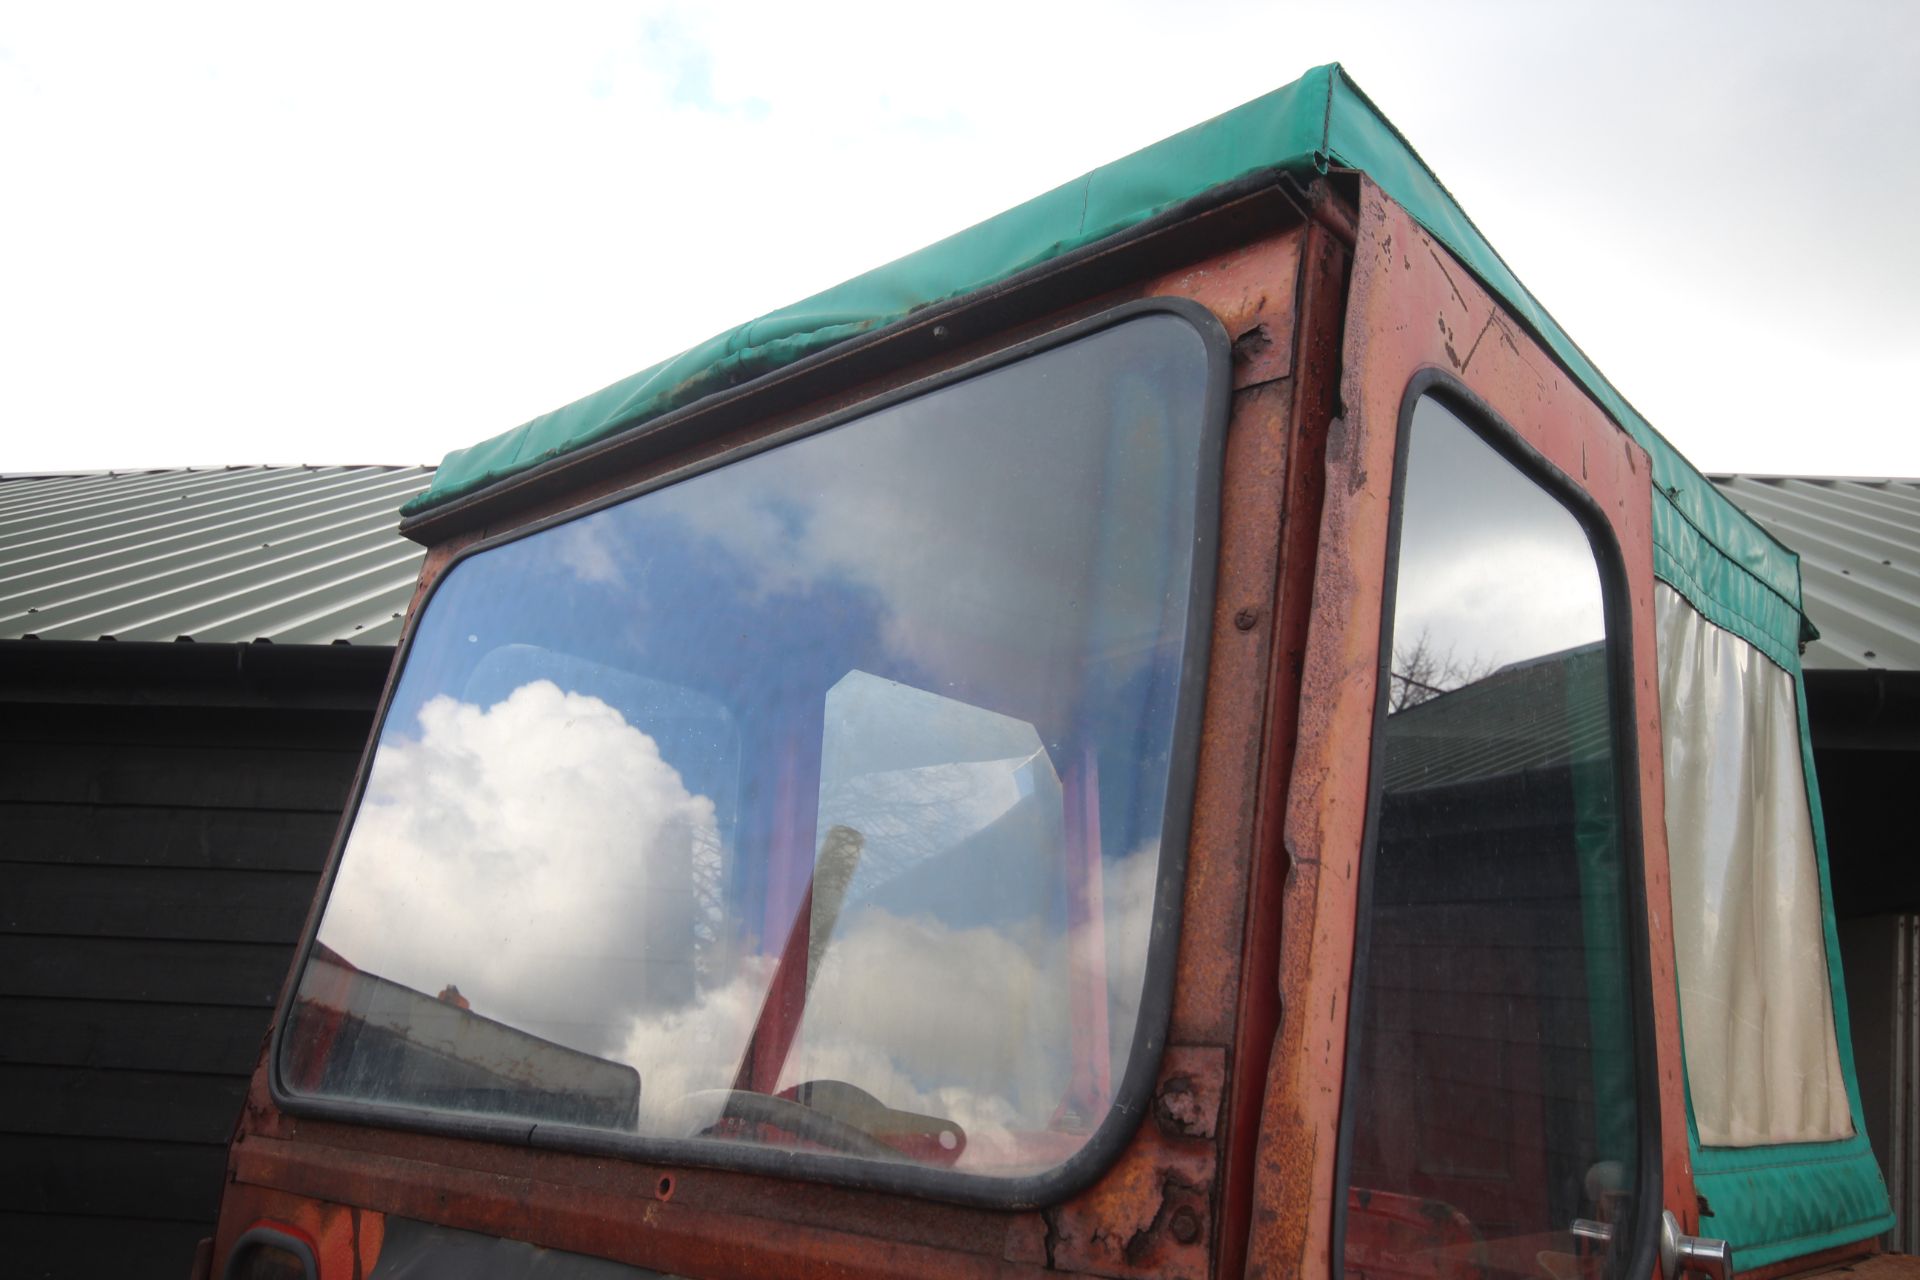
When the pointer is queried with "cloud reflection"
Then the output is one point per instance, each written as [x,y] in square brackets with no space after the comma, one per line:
[1492,569]
[537,853]
[542,856]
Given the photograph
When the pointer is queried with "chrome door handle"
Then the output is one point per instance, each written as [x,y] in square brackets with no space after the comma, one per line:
[1681,1252]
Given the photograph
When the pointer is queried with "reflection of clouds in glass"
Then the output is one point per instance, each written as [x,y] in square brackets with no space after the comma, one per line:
[967,1024]
[1129,891]
[1049,502]
[693,1048]
[973,1024]
[540,855]
[921,535]
[587,550]
[1501,604]
[1019,545]
[1492,568]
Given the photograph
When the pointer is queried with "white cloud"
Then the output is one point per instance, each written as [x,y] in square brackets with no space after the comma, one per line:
[693,1048]
[540,855]
[973,1024]
[588,551]
[1130,886]
[1500,602]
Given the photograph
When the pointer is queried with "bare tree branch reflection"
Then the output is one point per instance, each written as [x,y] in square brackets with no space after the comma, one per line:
[1422,671]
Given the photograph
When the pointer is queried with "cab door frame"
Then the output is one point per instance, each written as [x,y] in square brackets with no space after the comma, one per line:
[1411,307]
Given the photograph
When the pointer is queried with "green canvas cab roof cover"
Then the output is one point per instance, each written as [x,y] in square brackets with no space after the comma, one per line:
[1772,1202]
[1319,122]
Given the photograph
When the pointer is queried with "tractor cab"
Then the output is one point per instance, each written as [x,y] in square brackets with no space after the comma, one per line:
[1183,731]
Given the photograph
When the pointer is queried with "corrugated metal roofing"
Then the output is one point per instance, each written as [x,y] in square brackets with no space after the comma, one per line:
[1859,545]
[1543,713]
[309,555]
[292,555]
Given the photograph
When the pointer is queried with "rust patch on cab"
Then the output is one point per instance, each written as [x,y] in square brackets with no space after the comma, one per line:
[1252,291]
[1187,1103]
[1152,1214]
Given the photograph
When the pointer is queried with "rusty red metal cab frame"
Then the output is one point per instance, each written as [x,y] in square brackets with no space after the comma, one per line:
[1408,299]
[1331,296]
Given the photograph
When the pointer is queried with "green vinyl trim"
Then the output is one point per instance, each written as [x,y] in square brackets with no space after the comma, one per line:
[1727,595]
[1281,131]
[1793,1199]
[1603,905]
[1807,1197]
[1319,122]
[1361,138]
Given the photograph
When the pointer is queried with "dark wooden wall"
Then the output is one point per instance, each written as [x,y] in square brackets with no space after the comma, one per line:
[164,815]
[1866,748]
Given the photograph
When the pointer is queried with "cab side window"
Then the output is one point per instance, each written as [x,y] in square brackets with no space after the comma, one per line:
[1492,1103]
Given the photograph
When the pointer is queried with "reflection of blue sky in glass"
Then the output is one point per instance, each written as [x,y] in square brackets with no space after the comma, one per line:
[996,573]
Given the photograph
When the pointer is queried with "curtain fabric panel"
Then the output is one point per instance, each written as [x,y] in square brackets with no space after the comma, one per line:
[1763,1062]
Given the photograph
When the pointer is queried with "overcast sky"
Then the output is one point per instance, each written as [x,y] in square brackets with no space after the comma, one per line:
[344,233]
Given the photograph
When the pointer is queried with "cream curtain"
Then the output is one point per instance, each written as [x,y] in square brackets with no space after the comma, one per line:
[1763,1064]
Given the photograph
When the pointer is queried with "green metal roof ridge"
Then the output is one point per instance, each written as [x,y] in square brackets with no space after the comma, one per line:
[1321,120]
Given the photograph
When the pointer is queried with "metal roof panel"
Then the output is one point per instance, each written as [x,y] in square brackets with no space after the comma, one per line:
[310,555]
[1859,545]
[293,555]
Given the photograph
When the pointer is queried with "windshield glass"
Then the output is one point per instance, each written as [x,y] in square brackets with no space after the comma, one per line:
[814,800]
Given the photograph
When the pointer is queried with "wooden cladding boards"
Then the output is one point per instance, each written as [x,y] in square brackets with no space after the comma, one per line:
[114,1179]
[126,1035]
[169,836]
[246,975]
[156,865]
[70,1245]
[275,779]
[184,903]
